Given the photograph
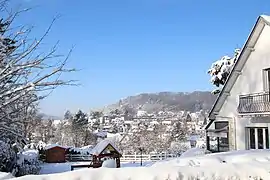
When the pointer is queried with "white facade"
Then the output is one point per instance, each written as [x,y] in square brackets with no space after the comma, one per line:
[250,80]
[141,113]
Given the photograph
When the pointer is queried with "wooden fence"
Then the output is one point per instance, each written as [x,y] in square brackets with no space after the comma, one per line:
[124,158]
[145,157]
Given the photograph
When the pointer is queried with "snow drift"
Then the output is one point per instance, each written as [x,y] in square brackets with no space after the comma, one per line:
[243,165]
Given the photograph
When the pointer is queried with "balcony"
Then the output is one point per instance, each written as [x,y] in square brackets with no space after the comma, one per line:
[254,103]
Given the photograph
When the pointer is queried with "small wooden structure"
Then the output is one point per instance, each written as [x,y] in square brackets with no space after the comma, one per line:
[55,154]
[105,150]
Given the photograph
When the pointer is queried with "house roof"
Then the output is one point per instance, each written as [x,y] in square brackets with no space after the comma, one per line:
[50,146]
[98,149]
[238,66]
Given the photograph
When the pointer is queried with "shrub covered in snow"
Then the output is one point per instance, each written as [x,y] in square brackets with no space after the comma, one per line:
[27,163]
[7,157]
[40,147]
[221,69]
[86,150]
[18,161]
[179,147]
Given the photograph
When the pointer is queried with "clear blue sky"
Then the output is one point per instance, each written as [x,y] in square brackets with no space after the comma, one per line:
[125,47]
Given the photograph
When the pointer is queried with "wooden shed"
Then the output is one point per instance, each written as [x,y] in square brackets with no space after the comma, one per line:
[105,150]
[55,154]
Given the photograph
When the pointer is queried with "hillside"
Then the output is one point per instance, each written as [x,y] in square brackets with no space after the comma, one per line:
[167,101]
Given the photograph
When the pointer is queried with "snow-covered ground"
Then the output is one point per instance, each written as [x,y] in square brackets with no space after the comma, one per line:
[52,168]
[4,175]
[241,165]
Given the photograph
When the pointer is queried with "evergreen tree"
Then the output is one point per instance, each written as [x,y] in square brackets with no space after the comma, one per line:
[68,115]
[221,69]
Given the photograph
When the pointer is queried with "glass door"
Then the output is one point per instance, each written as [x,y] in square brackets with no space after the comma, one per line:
[258,138]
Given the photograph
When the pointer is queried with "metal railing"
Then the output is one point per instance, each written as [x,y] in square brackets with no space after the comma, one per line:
[254,103]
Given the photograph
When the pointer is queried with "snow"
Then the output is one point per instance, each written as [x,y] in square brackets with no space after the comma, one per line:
[101,146]
[220,69]
[83,150]
[4,175]
[49,146]
[114,137]
[28,155]
[100,133]
[194,138]
[266,18]
[109,163]
[52,168]
[246,164]
[194,152]
[141,113]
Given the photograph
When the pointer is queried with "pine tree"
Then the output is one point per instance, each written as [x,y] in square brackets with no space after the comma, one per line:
[81,130]
[178,132]
[68,115]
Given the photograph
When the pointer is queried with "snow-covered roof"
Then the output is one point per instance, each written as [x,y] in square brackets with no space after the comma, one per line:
[83,150]
[154,122]
[266,18]
[101,133]
[238,66]
[50,146]
[194,137]
[101,146]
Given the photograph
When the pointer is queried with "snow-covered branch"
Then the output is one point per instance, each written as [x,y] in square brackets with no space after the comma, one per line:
[221,69]
[25,73]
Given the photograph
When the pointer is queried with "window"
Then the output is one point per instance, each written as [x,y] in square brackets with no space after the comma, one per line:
[251,138]
[257,138]
[266,79]
[221,124]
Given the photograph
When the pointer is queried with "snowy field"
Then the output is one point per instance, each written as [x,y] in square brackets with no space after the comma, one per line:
[235,165]
[52,168]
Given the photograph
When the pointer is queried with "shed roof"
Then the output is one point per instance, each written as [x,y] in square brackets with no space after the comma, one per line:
[50,146]
[102,145]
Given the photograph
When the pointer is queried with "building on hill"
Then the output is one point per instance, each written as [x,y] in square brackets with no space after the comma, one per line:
[240,117]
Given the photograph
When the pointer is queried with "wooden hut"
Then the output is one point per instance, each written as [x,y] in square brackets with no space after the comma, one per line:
[55,154]
[105,150]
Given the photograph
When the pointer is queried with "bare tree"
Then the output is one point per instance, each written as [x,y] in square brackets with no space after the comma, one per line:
[26,75]
[31,118]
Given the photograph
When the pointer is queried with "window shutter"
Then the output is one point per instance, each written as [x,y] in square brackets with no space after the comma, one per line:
[265,76]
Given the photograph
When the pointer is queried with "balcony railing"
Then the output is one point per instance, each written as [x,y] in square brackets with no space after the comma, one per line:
[254,103]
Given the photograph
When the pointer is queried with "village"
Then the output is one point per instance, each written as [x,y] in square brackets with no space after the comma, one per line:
[120,129]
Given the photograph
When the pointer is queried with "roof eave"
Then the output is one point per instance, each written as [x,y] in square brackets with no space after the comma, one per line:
[246,46]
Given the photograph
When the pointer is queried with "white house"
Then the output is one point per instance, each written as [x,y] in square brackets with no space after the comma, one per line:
[240,117]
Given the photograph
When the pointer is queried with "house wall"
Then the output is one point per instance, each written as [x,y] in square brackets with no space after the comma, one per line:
[250,81]
[55,155]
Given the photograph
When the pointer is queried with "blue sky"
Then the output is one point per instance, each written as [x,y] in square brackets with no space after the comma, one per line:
[125,47]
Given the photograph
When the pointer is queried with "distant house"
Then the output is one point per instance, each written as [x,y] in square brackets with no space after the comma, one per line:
[240,117]
[55,154]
